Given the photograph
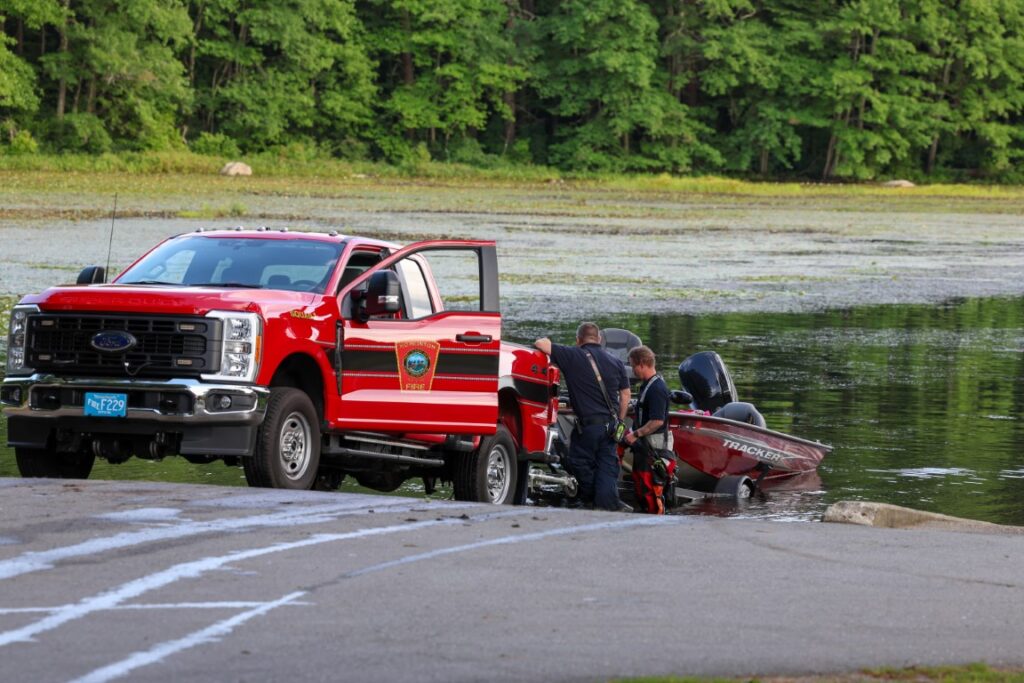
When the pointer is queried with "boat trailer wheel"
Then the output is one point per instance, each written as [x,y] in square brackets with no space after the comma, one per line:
[738,486]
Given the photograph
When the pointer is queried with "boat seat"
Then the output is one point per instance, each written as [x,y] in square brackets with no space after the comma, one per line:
[619,343]
[738,411]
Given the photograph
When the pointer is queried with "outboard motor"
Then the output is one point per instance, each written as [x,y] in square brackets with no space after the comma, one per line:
[705,377]
[619,342]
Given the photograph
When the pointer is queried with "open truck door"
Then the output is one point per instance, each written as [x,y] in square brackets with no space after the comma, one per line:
[405,359]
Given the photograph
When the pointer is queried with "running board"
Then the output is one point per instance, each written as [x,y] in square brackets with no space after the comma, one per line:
[389,457]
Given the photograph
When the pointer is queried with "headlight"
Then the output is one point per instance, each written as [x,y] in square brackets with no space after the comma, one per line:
[240,347]
[17,337]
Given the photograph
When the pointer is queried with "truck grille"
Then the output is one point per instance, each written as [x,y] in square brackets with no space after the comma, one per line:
[62,343]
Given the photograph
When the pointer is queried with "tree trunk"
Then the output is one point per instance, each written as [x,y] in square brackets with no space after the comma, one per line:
[20,36]
[863,98]
[934,149]
[509,98]
[764,161]
[932,153]
[693,92]
[510,125]
[243,38]
[90,102]
[408,75]
[62,85]
[196,28]
[826,170]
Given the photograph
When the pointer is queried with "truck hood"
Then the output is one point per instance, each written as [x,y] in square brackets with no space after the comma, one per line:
[114,298]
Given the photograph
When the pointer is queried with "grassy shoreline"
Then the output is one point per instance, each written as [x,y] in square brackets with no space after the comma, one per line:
[968,673]
[177,171]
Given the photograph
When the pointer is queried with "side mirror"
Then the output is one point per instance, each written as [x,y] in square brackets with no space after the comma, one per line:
[92,275]
[383,295]
[681,397]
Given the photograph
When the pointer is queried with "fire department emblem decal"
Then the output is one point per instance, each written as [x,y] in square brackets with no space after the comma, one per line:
[417,360]
[416,363]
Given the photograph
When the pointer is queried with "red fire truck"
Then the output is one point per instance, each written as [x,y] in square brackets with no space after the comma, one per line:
[305,357]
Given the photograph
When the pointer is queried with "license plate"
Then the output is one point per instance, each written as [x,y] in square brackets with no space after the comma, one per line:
[105,405]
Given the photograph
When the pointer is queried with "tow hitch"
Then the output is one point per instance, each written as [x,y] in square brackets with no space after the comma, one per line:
[550,477]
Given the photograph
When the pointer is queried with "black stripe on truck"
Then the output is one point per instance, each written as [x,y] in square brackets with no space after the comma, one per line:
[447,363]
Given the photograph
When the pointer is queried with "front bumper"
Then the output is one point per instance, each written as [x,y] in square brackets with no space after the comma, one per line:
[209,424]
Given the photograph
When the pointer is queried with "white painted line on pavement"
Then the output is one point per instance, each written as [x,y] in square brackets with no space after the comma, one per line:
[519,538]
[46,559]
[196,568]
[235,604]
[210,634]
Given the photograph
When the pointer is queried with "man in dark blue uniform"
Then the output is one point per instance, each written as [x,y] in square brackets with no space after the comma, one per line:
[592,448]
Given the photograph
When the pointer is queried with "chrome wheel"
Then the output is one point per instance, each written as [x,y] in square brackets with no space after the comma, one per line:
[488,474]
[295,445]
[499,467]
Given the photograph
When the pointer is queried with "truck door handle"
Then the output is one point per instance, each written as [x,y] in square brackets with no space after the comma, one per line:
[473,338]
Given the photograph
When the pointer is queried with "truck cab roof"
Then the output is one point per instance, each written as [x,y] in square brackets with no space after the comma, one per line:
[285,233]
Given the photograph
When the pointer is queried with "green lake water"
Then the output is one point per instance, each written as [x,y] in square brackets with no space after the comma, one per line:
[924,405]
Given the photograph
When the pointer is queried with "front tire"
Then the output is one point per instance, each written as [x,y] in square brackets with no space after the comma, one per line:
[41,462]
[488,474]
[287,454]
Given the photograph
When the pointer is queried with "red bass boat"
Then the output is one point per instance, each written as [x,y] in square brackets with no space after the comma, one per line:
[722,446]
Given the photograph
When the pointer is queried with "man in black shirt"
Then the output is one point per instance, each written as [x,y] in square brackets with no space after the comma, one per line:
[592,447]
[650,433]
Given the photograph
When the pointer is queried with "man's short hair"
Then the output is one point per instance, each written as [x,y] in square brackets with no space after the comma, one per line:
[641,355]
[588,332]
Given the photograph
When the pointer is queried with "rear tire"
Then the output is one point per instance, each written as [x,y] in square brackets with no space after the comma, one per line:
[488,474]
[287,454]
[738,486]
[40,462]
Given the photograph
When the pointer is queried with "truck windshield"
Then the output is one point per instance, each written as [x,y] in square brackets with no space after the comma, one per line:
[198,261]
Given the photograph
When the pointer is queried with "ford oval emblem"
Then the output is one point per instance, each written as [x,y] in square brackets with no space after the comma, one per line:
[113,341]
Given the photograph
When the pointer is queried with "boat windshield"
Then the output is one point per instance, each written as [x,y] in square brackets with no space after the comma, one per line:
[240,262]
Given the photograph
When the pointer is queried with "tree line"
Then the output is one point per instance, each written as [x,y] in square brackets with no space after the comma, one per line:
[828,89]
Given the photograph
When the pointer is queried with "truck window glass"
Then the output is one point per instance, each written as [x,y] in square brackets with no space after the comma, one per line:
[457,274]
[414,289]
[196,260]
[173,270]
[356,264]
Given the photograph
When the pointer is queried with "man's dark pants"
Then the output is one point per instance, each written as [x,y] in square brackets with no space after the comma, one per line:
[593,461]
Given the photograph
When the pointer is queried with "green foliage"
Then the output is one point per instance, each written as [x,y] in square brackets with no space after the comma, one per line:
[598,74]
[22,143]
[17,82]
[446,68]
[267,72]
[79,133]
[832,89]
[215,144]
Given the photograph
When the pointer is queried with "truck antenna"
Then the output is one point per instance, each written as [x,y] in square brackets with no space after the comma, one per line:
[110,240]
